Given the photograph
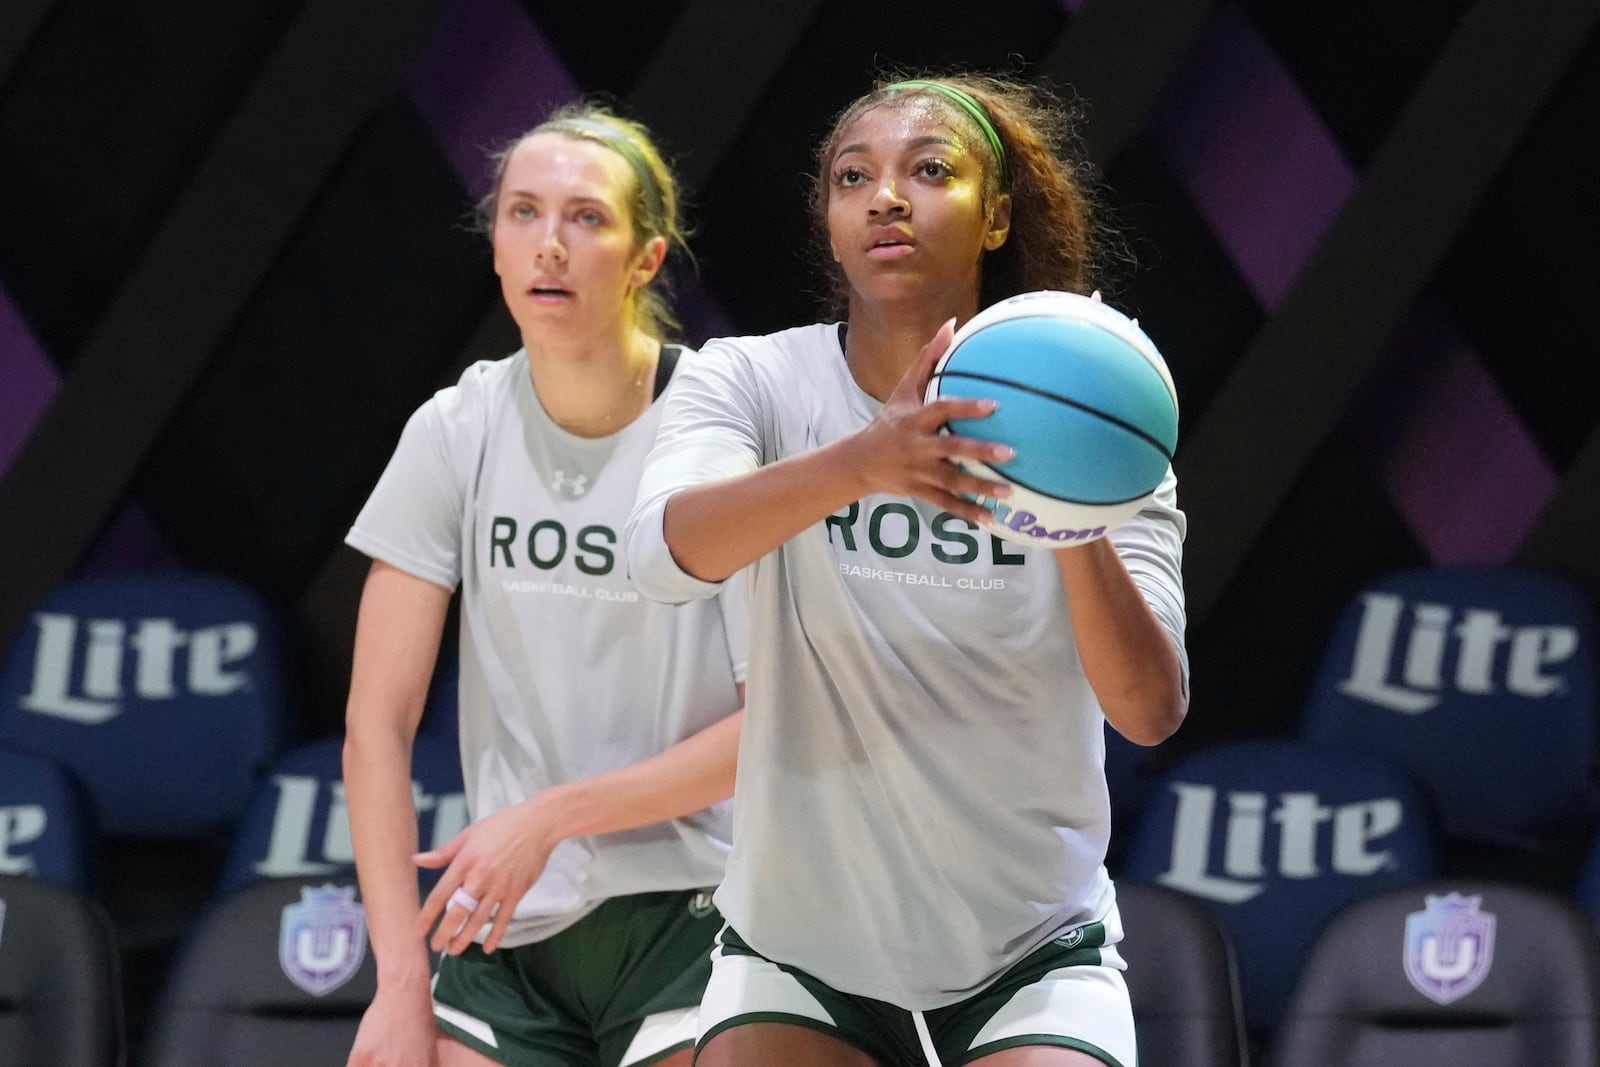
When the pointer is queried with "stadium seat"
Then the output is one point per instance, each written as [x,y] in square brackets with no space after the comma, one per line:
[296,825]
[278,973]
[1183,980]
[45,827]
[165,693]
[60,997]
[1273,837]
[1464,974]
[1481,681]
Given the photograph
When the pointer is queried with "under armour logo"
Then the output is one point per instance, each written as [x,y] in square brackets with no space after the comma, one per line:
[700,904]
[574,485]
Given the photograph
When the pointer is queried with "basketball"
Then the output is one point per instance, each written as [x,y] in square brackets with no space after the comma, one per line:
[1085,400]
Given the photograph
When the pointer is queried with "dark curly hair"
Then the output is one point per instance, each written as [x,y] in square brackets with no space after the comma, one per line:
[1059,236]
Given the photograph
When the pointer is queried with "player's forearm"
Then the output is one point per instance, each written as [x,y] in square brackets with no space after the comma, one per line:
[1127,655]
[717,528]
[397,636]
[383,829]
[691,775]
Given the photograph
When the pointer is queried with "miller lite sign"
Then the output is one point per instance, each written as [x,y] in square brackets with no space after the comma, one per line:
[80,664]
[44,831]
[1274,837]
[1408,654]
[1451,671]
[163,692]
[297,824]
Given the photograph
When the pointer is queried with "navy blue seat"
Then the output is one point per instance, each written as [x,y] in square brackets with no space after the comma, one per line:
[46,830]
[1469,974]
[297,826]
[1481,681]
[1273,837]
[165,693]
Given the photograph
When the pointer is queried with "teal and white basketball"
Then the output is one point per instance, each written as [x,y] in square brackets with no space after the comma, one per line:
[1086,401]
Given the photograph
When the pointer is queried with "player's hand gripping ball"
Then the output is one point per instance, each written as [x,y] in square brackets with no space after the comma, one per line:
[1085,400]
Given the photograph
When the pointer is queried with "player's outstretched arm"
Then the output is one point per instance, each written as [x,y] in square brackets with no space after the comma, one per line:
[716,528]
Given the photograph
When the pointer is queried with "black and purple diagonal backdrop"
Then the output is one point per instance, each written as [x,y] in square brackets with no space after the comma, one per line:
[1256,144]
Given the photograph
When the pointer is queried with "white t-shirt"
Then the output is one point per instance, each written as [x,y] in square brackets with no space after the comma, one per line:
[921,796]
[566,670]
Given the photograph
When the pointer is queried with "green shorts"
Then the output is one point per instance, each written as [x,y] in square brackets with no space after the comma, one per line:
[620,988]
[1068,992]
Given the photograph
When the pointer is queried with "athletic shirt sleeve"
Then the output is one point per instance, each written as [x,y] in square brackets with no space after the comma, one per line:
[413,519]
[734,602]
[712,427]
[1151,547]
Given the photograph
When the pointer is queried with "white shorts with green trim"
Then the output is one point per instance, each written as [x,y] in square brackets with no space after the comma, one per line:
[1068,993]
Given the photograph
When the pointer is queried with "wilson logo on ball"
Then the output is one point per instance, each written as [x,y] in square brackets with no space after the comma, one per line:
[1027,523]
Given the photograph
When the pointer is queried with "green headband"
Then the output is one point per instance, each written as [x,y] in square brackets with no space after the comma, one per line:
[968,103]
[623,146]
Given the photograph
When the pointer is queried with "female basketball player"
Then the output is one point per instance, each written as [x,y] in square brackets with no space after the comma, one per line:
[921,819]
[598,729]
